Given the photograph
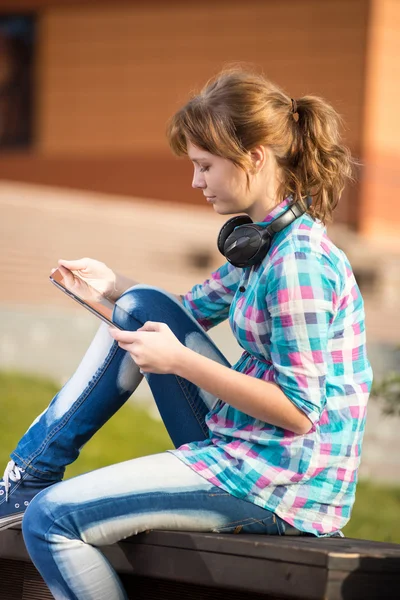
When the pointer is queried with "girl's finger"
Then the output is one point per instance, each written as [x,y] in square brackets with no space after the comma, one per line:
[126,347]
[123,336]
[151,326]
[73,265]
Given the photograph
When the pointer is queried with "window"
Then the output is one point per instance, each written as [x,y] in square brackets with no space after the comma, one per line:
[16,63]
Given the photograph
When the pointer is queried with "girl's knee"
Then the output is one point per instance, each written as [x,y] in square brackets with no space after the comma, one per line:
[142,303]
[46,514]
[37,519]
[138,294]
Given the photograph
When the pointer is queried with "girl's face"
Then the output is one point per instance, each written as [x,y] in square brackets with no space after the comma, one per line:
[225,186]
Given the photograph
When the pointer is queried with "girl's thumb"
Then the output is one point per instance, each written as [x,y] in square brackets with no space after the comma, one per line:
[150,326]
[72,264]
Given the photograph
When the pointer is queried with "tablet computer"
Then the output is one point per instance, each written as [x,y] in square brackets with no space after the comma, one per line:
[101,307]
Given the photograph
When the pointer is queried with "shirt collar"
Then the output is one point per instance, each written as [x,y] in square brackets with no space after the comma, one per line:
[277,211]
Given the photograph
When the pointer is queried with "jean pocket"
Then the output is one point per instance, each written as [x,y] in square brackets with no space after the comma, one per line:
[235,527]
[267,526]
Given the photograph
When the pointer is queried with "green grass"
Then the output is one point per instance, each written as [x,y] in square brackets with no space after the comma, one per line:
[375,513]
[132,432]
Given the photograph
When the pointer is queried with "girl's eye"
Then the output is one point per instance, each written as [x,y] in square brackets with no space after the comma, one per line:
[204,169]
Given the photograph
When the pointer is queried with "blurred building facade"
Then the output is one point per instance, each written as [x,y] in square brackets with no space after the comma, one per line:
[107,75]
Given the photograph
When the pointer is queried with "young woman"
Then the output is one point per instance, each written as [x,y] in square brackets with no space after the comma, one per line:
[270,445]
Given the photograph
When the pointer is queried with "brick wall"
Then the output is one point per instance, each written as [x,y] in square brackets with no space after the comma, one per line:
[109,75]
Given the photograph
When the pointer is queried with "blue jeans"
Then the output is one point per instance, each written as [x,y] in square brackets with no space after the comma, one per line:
[66,523]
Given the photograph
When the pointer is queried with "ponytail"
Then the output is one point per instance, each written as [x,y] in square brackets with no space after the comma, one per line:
[317,162]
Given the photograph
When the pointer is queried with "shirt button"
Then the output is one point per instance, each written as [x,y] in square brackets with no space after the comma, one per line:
[242,288]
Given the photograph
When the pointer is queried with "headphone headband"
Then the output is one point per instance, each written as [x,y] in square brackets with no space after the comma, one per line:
[293,212]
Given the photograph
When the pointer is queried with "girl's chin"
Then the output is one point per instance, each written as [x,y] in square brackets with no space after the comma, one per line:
[219,206]
[220,210]
[225,210]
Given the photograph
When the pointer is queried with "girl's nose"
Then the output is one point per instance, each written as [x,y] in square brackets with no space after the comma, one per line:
[198,180]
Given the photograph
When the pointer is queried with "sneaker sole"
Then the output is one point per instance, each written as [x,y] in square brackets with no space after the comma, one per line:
[11,521]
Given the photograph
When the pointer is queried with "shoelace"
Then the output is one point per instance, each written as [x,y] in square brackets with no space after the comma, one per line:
[12,473]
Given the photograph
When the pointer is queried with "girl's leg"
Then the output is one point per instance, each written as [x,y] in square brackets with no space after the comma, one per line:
[103,382]
[106,378]
[65,524]
[173,394]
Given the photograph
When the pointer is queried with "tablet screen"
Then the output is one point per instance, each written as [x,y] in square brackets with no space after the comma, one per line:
[101,307]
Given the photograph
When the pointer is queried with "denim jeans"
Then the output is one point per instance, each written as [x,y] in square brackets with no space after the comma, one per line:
[66,523]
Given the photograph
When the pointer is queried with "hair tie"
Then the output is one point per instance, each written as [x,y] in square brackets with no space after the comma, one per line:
[294,109]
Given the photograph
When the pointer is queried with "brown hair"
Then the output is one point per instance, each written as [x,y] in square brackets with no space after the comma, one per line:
[238,110]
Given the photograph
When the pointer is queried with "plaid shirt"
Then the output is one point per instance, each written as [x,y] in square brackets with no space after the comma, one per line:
[300,323]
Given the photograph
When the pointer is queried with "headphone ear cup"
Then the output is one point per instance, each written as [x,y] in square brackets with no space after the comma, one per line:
[228,228]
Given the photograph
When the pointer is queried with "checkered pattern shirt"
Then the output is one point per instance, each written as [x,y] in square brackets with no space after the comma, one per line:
[300,323]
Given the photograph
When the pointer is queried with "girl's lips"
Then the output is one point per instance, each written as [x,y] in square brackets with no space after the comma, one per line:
[210,198]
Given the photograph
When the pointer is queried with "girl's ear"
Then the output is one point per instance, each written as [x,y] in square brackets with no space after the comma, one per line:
[259,156]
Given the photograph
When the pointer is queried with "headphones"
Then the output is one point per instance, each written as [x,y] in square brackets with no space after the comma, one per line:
[244,243]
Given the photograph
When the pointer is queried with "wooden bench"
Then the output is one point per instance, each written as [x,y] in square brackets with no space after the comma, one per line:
[161,565]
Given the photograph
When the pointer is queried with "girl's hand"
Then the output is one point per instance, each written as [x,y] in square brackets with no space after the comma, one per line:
[153,347]
[88,278]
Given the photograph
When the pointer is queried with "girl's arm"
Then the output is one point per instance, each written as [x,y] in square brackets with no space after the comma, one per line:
[255,397]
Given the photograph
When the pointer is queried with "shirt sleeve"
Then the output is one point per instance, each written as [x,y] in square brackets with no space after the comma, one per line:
[302,292]
[209,302]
